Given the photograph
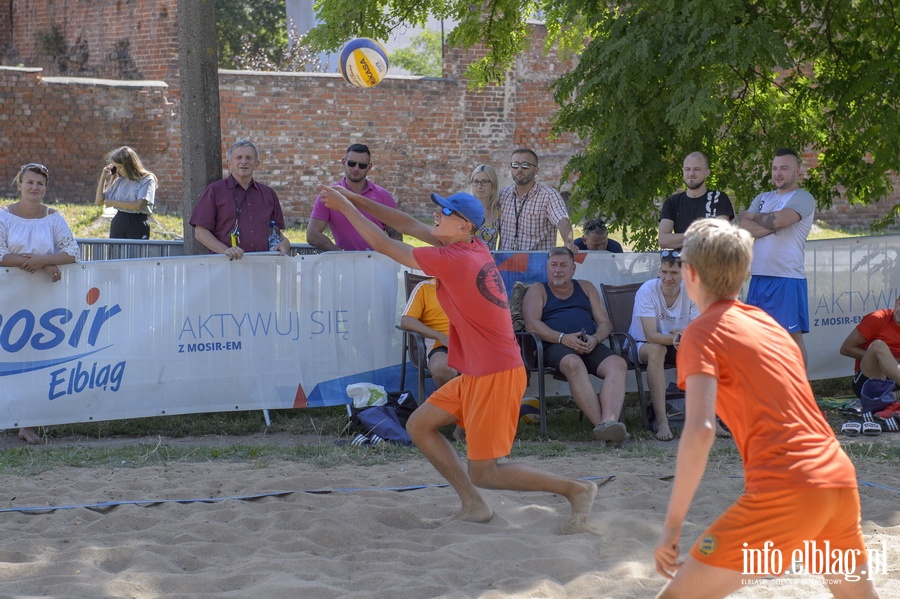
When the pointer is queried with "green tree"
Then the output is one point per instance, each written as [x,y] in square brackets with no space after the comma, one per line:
[422,57]
[660,78]
[250,29]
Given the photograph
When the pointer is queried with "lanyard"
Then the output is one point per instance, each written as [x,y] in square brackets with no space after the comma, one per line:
[236,230]
[518,208]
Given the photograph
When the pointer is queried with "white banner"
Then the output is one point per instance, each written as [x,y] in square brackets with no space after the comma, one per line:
[147,337]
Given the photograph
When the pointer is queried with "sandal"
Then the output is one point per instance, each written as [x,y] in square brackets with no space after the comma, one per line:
[852,429]
[871,429]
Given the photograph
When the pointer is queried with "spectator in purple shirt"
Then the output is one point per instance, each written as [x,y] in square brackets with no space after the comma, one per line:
[357,163]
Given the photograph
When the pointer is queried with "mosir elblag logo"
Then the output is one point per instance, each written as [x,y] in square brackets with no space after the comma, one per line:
[52,333]
[814,558]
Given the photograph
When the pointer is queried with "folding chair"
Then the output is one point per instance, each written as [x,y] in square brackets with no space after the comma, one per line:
[414,344]
[619,302]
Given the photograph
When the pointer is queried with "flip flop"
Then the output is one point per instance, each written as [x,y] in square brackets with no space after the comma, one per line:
[852,429]
[871,429]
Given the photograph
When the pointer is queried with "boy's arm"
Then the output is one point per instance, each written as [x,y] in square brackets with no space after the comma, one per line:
[372,233]
[397,220]
[851,345]
[697,438]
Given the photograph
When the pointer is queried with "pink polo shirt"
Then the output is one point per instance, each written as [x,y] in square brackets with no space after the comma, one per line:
[345,236]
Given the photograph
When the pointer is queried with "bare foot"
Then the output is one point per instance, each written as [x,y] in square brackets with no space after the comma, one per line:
[721,432]
[28,435]
[582,500]
[663,433]
[479,513]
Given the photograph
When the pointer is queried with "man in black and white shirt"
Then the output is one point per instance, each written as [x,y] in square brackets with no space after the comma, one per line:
[695,202]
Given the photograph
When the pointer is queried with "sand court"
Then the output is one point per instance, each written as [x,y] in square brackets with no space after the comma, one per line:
[365,540]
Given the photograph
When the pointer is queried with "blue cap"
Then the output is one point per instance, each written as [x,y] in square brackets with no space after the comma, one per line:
[464,203]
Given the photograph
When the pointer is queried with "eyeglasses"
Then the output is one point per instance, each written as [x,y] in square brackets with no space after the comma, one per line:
[670,254]
[35,166]
[480,182]
[600,228]
[522,165]
[362,165]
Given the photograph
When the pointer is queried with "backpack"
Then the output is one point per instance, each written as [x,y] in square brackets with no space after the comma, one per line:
[386,422]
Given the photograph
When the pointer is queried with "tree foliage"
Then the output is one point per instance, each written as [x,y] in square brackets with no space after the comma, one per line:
[422,57]
[658,79]
[257,29]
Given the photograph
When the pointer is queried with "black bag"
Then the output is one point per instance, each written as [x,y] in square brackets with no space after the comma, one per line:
[384,423]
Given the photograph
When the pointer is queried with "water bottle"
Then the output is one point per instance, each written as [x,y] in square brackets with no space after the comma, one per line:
[274,236]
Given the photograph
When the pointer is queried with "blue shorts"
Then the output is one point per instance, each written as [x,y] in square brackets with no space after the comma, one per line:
[783,299]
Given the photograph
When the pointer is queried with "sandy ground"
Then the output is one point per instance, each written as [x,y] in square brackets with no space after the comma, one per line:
[362,539]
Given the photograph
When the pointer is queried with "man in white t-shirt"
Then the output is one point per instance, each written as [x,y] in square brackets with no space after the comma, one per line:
[780,221]
[662,310]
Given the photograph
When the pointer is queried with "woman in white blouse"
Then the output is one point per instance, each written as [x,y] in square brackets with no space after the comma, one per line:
[129,188]
[35,237]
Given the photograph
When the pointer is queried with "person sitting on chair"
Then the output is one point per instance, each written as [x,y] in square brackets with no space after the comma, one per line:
[569,317]
[661,311]
[424,315]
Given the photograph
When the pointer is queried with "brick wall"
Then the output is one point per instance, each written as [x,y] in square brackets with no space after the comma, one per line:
[114,39]
[426,134]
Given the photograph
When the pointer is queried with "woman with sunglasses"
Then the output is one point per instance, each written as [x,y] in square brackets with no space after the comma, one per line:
[486,189]
[129,188]
[35,237]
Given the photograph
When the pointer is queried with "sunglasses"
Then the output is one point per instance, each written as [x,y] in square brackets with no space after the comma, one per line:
[34,166]
[354,164]
[522,165]
[670,254]
[480,183]
[448,212]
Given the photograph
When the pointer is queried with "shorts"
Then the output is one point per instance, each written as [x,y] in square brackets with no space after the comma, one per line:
[786,300]
[129,225]
[671,353]
[555,352]
[790,520]
[487,407]
[437,349]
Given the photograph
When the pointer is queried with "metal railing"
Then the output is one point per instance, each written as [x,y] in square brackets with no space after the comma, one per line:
[120,249]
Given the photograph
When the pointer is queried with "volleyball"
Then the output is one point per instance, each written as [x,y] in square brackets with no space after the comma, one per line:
[530,410]
[363,62]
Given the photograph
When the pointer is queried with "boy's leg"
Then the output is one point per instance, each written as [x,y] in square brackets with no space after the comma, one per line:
[879,363]
[697,580]
[489,474]
[423,428]
[862,588]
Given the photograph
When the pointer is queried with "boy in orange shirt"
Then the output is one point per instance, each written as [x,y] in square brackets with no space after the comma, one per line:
[484,399]
[800,486]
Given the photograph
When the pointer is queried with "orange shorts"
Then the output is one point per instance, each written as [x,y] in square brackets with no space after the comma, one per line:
[487,407]
[765,533]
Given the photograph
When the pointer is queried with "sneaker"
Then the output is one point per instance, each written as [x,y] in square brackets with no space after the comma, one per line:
[889,412]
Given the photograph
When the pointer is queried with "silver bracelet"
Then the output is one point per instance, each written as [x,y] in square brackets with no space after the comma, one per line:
[561,335]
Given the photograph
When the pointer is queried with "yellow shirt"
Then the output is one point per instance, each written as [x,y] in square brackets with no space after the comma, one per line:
[423,305]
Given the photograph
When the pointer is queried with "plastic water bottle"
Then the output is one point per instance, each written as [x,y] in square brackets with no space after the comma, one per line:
[274,236]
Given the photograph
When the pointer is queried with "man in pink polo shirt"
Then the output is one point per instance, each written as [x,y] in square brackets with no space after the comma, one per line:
[356,163]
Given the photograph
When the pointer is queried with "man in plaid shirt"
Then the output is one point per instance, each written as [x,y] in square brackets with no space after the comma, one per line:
[531,213]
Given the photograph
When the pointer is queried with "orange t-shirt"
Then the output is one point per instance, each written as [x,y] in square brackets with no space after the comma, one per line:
[764,398]
[423,305]
[472,293]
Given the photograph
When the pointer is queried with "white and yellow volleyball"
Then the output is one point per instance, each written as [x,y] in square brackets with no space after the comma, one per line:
[363,62]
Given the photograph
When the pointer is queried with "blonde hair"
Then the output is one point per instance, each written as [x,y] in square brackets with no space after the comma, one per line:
[493,205]
[720,253]
[131,162]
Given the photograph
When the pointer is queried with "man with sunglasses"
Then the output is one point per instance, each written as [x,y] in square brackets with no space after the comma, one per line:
[531,213]
[596,238]
[695,202]
[662,310]
[485,397]
[356,164]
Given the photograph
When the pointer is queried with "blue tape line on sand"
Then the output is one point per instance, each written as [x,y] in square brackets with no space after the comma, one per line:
[46,509]
[877,486]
